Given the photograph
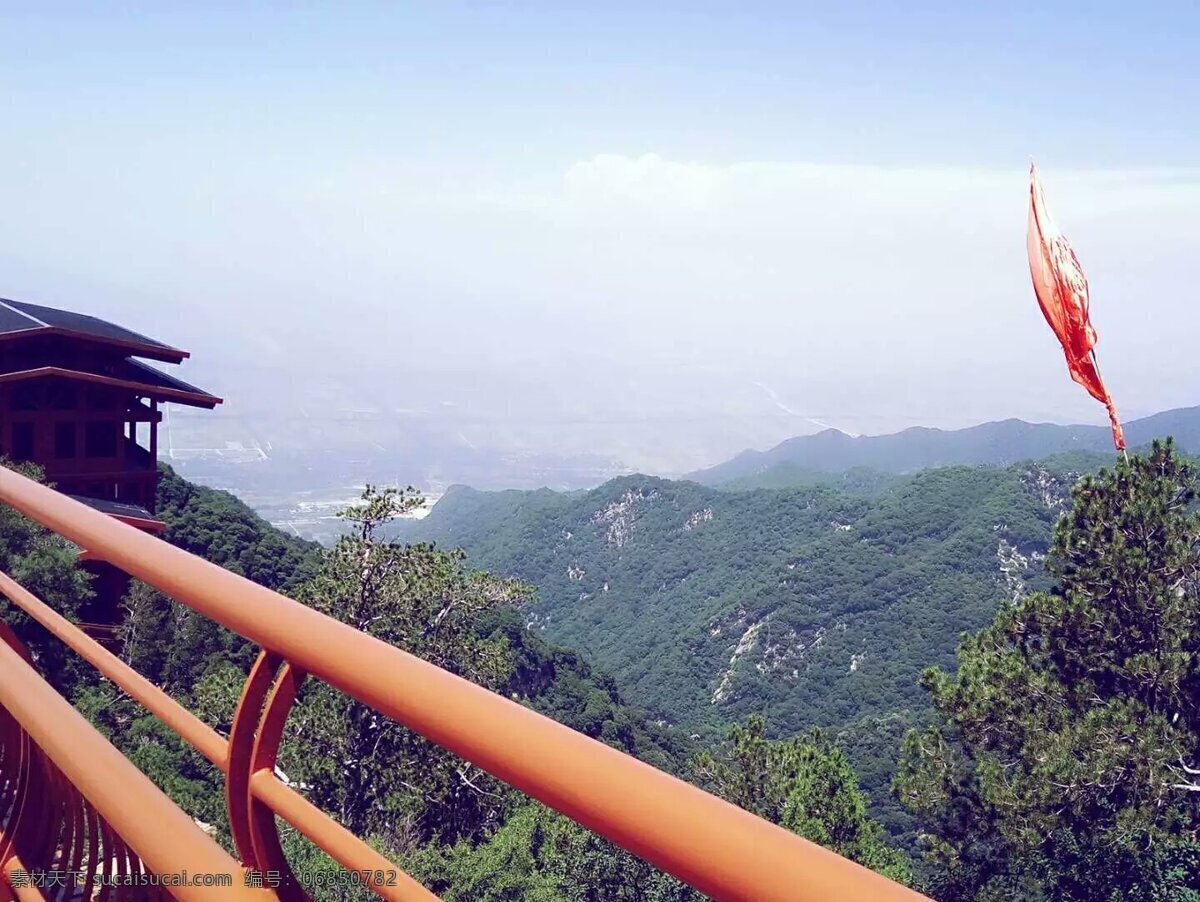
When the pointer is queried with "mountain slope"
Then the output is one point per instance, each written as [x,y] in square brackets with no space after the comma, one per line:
[223,529]
[998,443]
[813,605]
[787,475]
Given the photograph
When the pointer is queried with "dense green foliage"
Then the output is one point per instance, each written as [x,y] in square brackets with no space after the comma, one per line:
[812,605]
[454,826]
[170,643]
[787,475]
[805,784]
[1063,761]
[221,528]
[1058,761]
[370,770]
[542,856]
[45,565]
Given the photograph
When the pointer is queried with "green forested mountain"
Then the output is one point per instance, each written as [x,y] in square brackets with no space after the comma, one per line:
[1057,761]
[1061,762]
[221,528]
[787,475]
[999,443]
[407,795]
[813,605]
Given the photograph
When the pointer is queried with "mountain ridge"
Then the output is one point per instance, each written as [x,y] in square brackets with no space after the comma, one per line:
[998,443]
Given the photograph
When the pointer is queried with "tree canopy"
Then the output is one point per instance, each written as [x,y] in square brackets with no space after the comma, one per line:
[47,565]
[1063,760]
[369,769]
[806,785]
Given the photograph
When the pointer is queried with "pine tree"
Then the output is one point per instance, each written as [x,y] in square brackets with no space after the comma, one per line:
[365,767]
[806,785]
[1062,763]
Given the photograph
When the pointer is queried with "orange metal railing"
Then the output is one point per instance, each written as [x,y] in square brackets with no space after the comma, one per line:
[65,761]
[716,847]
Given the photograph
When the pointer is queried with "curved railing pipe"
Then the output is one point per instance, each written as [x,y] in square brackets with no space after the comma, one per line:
[716,847]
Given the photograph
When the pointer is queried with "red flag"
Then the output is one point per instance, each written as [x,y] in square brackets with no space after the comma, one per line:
[1062,293]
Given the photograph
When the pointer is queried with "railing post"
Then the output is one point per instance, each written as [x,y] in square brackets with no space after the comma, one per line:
[56,741]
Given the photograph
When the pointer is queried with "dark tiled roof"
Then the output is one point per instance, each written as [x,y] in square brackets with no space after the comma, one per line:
[116,508]
[13,320]
[145,381]
[18,316]
[151,376]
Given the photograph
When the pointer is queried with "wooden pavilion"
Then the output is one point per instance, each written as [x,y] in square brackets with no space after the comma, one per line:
[77,399]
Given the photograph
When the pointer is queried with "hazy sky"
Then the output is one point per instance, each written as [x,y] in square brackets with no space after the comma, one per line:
[611,215]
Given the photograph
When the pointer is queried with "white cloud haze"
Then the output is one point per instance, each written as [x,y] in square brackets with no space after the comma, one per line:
[634,299]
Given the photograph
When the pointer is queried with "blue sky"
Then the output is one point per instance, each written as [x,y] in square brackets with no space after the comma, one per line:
[1098,84]
[659,191]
